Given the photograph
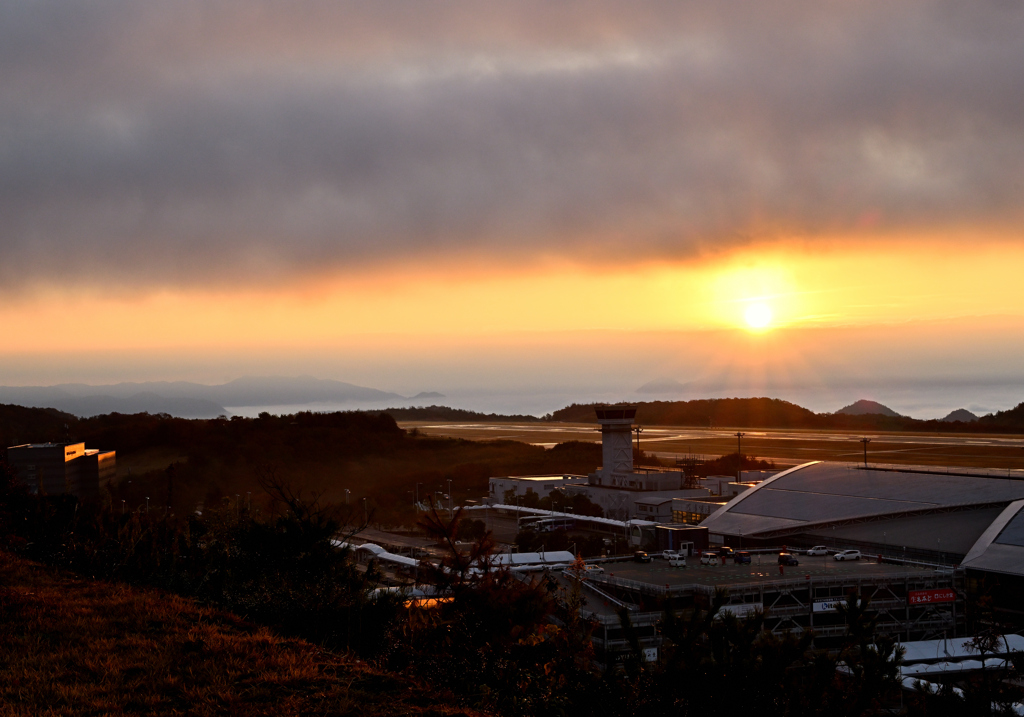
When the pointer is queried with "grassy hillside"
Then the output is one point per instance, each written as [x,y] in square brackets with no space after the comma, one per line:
[81,647]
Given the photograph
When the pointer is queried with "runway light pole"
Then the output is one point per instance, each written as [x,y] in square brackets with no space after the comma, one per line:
[739,454]
[638,430]
[865,441]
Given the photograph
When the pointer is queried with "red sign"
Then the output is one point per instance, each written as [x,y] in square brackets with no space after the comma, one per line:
[926,597]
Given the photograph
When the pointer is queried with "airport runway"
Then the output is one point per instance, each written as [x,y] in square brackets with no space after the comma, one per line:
[787,447]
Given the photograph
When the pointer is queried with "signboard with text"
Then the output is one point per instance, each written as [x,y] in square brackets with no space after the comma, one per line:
[928,597]
[827,605]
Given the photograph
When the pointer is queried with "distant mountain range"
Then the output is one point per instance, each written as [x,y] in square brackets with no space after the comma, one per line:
[862,415]
[195,400]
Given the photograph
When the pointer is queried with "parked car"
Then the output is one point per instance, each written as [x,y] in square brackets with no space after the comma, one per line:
[677,562]
[669,554]
[641,557]
[788,559]
[847,555]
[818,550]
[741,557]
[710,557]
[593,570]
[725,552]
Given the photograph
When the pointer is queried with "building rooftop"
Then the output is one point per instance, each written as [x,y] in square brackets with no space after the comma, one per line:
[542,478]
[813,494]
[1000,548]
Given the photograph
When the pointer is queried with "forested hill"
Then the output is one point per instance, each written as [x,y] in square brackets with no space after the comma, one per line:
[32,425]
[444,413]
[776,413]
[743,412]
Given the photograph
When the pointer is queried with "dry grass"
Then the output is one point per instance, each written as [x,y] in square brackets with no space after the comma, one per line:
[76,647]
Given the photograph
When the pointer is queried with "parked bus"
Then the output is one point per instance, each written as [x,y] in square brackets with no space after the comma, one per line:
[529,522]
[549,525]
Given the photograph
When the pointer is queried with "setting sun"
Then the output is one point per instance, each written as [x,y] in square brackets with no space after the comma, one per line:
[758,316]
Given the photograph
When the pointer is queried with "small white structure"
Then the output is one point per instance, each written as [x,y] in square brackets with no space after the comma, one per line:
[533,561]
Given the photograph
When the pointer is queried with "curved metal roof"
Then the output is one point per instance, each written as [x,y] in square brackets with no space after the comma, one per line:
[817,493]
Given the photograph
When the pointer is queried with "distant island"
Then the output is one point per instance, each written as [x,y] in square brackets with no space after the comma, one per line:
[864,407]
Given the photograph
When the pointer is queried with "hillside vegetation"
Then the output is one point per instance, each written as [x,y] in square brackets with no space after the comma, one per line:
[216,460]
[73,646]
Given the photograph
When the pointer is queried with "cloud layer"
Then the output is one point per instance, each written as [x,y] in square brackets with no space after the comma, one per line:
[184,143]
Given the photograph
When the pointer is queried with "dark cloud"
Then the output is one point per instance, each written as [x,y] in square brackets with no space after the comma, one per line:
[188,142]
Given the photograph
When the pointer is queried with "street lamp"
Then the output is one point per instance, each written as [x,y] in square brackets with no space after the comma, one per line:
[366,515]
[147,505]
[865,441]
[449,499]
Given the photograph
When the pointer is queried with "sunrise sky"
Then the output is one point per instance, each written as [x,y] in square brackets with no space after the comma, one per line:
[816,201]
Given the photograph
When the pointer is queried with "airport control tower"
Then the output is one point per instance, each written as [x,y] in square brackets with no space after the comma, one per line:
[616,439]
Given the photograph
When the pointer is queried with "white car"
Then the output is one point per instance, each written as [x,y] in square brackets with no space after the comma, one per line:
[847,555]
[669,554]
[818,550]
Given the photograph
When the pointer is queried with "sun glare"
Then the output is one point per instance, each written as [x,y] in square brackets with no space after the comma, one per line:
[758,316]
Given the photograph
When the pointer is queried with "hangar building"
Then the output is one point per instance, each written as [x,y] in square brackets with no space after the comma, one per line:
[906,514]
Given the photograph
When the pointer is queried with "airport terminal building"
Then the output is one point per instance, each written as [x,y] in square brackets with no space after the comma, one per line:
[969,521]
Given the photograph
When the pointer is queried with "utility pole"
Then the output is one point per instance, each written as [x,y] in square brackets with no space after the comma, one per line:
[739,454]
[449,499]
[865,441]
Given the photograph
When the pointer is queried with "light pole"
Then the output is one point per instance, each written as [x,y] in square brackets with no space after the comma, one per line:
[865,441]
[449,499]
[739,453]
[147,505]
[366,514]
[638,430]
[347,492]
